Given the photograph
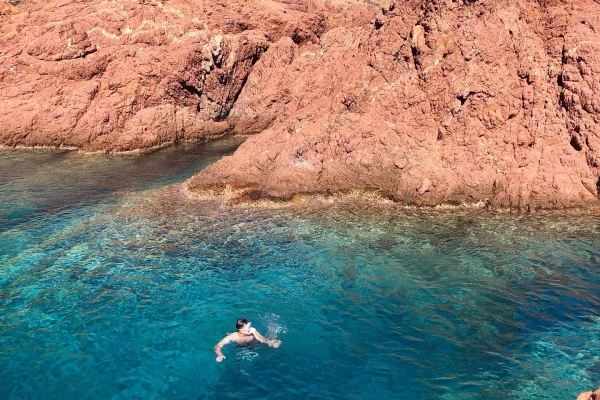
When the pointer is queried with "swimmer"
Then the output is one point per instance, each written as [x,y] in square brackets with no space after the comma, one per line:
[245,335]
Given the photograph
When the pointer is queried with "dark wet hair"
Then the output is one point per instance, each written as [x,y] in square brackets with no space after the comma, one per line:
[239,324]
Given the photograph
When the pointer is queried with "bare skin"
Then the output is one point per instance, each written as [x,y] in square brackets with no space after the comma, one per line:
[244,335]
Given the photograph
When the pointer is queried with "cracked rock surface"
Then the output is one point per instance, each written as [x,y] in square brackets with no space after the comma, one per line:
[425,102]
[124,75]
[431,102]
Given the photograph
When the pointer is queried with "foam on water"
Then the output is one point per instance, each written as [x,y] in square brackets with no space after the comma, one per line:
[114,286]
[274,325]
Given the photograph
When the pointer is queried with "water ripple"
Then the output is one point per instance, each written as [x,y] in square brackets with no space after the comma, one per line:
[123,294]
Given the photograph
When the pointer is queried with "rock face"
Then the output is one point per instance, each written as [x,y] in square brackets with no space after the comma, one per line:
[430,102]
[122,75]
[589,395]
[426,102]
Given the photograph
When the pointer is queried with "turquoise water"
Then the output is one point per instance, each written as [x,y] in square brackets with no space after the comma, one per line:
[114,286]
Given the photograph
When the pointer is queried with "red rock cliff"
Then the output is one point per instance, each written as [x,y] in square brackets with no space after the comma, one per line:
[430,102]
[425,102]
[122,75]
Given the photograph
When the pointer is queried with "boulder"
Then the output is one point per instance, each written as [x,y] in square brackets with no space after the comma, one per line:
[591,395]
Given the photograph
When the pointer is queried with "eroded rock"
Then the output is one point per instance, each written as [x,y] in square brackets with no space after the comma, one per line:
[481,102]
[487,102]
[125,75]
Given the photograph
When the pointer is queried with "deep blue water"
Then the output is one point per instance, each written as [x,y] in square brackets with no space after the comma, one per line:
[114,286]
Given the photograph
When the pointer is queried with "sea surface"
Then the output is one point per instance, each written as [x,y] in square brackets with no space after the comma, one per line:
[115,286]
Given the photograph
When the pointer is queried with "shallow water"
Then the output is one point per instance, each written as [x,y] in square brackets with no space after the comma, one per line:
[112,285]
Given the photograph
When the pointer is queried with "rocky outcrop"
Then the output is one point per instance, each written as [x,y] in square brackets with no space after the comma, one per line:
[426,102]
[124,75]
[431,102]
[589,395]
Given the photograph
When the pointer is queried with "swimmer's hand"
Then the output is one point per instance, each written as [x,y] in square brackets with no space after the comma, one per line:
[275,343]
[220,358]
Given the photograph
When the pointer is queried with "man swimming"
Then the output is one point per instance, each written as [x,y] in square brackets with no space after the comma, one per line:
[245,335]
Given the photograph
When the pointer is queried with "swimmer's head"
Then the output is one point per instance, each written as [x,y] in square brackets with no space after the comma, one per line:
[241,324]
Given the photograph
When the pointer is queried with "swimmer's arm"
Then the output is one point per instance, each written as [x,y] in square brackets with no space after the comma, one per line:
[219,346]
[272,343]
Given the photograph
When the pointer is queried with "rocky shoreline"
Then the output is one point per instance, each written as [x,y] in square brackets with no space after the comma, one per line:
[425,103]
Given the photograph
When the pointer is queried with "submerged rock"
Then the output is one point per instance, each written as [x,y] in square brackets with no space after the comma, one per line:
[440,102]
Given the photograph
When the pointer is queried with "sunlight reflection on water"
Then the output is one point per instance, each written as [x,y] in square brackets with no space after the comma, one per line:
[118,287]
